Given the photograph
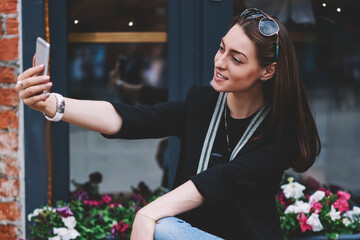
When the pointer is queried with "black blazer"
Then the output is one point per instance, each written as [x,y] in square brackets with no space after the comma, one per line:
[240,195]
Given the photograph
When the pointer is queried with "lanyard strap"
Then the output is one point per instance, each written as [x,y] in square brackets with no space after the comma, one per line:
[254,124]
[213,128]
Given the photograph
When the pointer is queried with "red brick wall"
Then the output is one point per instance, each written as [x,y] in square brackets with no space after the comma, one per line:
[10,207]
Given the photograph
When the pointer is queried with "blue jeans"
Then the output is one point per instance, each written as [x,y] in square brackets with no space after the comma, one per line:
[172,228]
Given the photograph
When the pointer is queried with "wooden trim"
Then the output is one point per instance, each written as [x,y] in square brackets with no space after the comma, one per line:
[118,37]
[47,124]
[303,37]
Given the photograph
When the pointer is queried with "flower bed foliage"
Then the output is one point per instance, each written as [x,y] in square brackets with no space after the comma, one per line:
[317,212]
[85,217]
[303,212]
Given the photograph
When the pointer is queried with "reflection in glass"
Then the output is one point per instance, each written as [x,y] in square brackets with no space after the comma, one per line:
[117,15]
[96,68]
[133,73]
[130,73]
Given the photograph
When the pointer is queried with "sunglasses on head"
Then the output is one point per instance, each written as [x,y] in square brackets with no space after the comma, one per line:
[267,26]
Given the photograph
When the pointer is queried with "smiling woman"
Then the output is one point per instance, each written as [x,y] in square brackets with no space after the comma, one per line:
[238,137]
[237,70]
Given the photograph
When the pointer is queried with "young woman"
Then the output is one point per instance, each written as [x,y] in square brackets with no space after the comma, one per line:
[237,136]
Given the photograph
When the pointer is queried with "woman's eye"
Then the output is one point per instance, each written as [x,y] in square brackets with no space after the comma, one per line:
[236,60]
[221,48]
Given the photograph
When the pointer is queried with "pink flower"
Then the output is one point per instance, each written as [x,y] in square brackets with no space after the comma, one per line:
[343,195]
[304,226]
[112,205]
[342,205]
[283,200]
[64,212]
[120,228]
[315,206]
[93,203]
[106,199]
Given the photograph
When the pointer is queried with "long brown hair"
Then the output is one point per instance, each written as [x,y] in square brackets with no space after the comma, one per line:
[285,90]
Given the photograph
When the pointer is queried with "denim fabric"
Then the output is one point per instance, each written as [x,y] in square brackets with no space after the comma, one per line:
[172,228]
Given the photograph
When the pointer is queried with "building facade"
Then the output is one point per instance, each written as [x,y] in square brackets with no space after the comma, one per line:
[38,160]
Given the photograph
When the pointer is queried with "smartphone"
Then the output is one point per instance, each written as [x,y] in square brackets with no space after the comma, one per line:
[42,54]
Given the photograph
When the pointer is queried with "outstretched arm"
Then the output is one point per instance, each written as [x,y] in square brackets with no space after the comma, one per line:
[99,116]
[180,200]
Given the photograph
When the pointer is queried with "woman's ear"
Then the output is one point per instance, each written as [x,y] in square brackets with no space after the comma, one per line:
[269,71]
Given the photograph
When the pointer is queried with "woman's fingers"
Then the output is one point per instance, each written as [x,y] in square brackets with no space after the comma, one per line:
[31,87]
[23,84]
[34,60]
[32,81]
[37,101]
[34,90]
[31,72]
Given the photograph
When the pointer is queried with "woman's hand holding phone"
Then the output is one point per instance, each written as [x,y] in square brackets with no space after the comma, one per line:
[34,85]
[34,90]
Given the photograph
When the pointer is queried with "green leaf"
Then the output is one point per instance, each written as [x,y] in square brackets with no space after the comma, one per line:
[332,236]
[100,235]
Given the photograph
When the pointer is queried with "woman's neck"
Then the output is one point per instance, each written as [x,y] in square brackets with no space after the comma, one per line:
[243,105]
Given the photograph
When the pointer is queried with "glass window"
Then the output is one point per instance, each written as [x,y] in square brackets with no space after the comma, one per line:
[117,16]
[326,38]
[117,52]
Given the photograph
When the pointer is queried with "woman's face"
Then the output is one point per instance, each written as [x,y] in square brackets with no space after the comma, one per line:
[236,65]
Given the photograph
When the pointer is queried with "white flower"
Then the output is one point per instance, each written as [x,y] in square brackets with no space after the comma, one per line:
[346,222]
[35,213]
[334,215]
[303,207]
[293,190]
[73,233]
[55,238]
[298,207]
[353,214]
[65,233]
[50,209]
[29,217]
[349,214]
[68,232]
[69,222]
[314,222]
[290,209]
[318,195]
[356,210]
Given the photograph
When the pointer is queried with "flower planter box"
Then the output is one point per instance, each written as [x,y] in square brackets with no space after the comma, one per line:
[109,237]
[323,237]
[316,212]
